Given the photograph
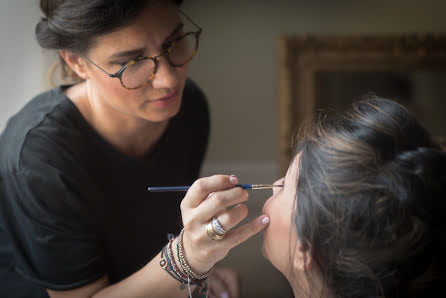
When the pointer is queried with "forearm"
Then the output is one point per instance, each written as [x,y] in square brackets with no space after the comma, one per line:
[150,281]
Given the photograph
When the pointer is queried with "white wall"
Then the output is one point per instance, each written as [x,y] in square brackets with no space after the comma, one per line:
[22,74]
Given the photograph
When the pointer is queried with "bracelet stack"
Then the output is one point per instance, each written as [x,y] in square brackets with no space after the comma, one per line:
[184,265]
[184,275]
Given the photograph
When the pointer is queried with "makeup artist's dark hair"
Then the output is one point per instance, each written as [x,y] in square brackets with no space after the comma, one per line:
[75,24]
[371,203]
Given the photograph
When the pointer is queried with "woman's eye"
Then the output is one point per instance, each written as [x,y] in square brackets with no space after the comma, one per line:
[282,182]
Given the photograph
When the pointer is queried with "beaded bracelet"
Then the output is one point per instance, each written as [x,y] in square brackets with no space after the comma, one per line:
[168,263]
[165,264]
[173,262]
[184,265]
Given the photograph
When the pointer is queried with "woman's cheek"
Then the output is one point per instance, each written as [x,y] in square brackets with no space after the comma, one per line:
[265,209]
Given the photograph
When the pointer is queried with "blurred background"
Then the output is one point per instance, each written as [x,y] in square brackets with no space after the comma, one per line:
[237,66]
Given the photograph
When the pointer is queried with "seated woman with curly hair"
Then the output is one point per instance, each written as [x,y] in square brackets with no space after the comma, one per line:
[361,213]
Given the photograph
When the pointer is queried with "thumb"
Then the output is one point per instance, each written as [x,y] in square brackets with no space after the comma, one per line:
[241,234]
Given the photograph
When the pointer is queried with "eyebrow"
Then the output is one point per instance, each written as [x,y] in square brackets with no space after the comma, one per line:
[128,53]
[140,51]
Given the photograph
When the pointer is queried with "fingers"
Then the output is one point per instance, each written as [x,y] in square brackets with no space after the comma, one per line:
[217,286]
[201,188]
[231,279]
[241,234]
[219,201]
[224,283]
[207,198]
[231,218]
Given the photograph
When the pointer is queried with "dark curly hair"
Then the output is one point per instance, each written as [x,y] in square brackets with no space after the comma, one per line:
[371,202]
[74,24]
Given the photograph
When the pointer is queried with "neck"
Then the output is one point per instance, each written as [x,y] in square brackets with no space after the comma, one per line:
[307,285]
[132,136]
[300,287]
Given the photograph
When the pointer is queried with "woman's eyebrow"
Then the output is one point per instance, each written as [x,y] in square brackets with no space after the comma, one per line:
[140,51]
[127,53]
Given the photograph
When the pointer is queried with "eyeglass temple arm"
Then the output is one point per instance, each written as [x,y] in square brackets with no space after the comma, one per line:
[111,75]
[195,24]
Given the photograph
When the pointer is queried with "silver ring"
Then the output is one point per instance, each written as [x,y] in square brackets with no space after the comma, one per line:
[212,234]
[217,227]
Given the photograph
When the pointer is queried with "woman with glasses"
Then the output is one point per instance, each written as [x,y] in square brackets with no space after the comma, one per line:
[76,219]
[361,213]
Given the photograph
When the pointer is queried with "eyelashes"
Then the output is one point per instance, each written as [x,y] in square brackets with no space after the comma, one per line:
[281,183]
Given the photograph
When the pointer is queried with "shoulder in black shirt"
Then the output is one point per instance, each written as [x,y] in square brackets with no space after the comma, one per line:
[72,208]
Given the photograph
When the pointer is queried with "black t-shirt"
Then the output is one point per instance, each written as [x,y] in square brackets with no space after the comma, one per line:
[72,208]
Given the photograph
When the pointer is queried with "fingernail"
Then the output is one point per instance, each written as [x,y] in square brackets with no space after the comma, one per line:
[233,179]
[224,295]
[265,220]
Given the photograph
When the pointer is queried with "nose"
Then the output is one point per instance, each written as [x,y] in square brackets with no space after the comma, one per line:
[166,76]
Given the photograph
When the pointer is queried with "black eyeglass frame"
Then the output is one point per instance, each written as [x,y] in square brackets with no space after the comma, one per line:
[166,47]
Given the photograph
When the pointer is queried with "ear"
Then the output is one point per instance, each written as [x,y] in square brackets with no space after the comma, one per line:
[299,256]
[76,63]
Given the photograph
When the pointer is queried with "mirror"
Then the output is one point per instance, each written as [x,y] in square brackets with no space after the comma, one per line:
[329,72]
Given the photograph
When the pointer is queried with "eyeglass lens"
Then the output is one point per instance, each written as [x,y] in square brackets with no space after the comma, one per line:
[139,73]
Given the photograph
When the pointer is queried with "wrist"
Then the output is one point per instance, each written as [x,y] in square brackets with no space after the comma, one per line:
[197,270]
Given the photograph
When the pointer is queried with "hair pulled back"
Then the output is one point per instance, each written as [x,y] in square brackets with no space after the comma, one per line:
[74,24]
[371,201]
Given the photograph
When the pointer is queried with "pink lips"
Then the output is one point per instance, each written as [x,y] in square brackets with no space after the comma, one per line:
[165,101]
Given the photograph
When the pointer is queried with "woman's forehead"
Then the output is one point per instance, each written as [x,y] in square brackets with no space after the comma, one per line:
[293,169]
[150,29]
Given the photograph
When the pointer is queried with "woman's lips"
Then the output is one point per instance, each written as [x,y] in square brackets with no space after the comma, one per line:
[165,100]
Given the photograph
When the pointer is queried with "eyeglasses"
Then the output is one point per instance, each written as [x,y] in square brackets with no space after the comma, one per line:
[178,51]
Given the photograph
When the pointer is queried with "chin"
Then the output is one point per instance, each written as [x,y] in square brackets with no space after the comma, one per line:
[161,116]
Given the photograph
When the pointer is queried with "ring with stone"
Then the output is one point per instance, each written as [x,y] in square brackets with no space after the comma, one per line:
[217,227]
[212,234]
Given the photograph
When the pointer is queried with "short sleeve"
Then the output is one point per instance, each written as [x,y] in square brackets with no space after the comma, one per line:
[53,233]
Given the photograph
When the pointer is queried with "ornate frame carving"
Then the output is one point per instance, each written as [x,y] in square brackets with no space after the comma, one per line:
[302,56]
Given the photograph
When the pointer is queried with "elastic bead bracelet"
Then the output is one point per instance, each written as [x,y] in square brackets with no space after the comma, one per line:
[173,262]
[168,263]
[184,265]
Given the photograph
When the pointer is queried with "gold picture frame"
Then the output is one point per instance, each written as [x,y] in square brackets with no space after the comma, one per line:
[302,57]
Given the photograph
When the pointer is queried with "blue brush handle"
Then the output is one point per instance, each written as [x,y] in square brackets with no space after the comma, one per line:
[186,188]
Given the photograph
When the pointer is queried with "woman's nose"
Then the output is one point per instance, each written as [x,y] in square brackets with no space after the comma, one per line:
[166,76]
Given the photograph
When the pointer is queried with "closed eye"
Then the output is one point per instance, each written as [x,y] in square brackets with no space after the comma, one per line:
[280,183]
